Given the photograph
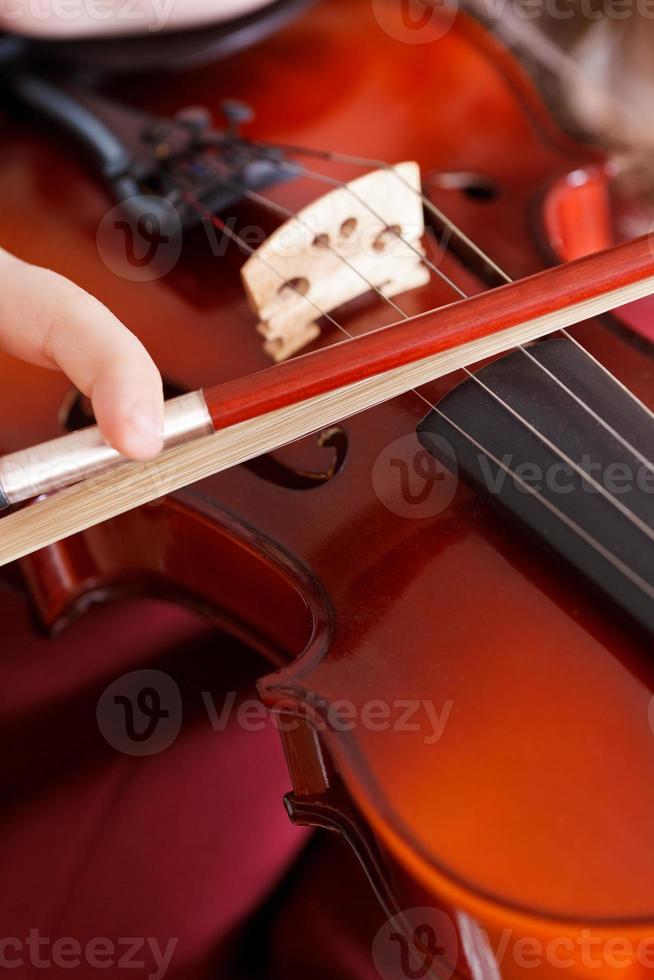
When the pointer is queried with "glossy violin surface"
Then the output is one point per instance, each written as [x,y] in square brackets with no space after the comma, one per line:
[468,713]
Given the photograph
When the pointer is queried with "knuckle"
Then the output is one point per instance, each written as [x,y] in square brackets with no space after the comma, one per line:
[67,304]
[68,294]
[115,348]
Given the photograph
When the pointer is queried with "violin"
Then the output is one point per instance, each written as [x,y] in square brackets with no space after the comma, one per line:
[409,513]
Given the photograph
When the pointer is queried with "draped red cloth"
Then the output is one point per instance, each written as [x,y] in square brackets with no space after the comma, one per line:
[182,861]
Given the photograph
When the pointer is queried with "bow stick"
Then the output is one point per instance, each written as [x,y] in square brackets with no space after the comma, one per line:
[211,430]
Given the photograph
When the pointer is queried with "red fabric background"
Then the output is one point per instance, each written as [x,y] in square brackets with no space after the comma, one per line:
[191,843]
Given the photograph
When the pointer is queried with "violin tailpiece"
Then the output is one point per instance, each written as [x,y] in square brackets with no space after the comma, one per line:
[363,236]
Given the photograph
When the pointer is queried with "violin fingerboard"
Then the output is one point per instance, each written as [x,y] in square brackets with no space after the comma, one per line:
[567,450]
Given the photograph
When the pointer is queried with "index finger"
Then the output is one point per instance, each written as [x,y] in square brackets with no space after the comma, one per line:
[51,322]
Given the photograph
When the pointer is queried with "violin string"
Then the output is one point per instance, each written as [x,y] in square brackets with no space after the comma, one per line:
[648,464]
[614,560]
[250,251]
[618,504]
[289,214]
[626,512]
[625,569]
[641,404]
[363,162]
[455,230]
[342,185]
[649,532]
[586,477]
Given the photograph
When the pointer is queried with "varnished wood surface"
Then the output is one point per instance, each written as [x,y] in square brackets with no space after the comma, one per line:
[533,810]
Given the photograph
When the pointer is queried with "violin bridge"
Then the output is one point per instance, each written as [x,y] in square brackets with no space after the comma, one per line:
[365,235]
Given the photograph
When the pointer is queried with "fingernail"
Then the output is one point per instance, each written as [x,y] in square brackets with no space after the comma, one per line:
[147,426]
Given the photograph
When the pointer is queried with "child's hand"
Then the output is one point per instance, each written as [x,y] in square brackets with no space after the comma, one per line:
[49,321]
[92,18]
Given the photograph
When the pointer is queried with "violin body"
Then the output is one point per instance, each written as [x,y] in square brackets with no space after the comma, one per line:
[463,710]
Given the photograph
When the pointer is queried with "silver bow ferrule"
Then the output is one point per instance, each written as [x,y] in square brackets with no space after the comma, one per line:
[79,455]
